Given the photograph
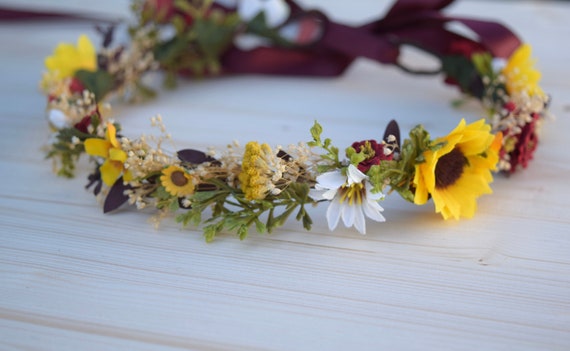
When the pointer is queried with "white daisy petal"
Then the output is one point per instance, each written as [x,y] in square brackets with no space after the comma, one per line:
[354,175]
[360,221]
[331,180]
[329,194]
[316,194]
[373,196]
[373,211]
[348,213]
[333,214]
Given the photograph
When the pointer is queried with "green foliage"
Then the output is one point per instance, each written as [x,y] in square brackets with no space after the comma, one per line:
[399,174]
[463,71]
[233,213]
[331,152]
[197,46]
[355,157]
[258,26]
[483,64]
[65,152]
[100,82]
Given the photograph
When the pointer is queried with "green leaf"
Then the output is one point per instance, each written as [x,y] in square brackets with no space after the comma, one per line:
[258,26]
[99,82]
[214,37]
[316,131]
[260,226]
[462,70]
[483,63]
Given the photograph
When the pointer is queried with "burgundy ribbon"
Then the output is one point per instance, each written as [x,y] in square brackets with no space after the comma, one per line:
[8,14]
[408,22]
[420,23]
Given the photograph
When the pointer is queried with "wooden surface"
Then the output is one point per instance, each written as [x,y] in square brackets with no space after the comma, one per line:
[72,278]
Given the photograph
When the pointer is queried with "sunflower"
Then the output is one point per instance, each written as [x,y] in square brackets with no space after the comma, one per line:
[68,59]
[456,174]
[520,74]
[177,181]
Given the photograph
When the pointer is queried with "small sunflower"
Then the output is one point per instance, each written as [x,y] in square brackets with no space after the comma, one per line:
[456,174]
[520,74]
[177,181]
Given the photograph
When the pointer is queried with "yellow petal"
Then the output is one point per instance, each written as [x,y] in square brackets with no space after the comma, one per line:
[97,147]
[117,155]
[111,135]
[87,55]
[127,176]
[421,194]
[110,171]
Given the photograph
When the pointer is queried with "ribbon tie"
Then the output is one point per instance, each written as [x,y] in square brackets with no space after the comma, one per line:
[418,23]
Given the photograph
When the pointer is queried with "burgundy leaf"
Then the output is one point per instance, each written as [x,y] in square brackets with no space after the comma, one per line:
[392,129]
[194,156]
[116,196]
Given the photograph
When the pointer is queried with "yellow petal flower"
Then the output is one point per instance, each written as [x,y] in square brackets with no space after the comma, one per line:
[459,172]
[111,151]
[110,171]
[97,147]
[111,135]
[68,59]
[520,74]
[117,155]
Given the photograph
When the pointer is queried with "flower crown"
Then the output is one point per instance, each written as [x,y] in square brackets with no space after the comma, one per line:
[262,186]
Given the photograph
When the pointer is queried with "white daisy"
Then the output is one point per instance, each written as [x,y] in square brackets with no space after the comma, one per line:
[351,198]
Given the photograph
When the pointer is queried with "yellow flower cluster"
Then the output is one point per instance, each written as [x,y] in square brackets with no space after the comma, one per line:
[520,74]
[255,176]
[68,59]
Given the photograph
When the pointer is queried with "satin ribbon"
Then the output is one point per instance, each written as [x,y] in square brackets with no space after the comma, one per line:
[13,15]
[419,23]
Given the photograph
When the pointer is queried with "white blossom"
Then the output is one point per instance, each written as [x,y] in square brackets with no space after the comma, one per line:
[350,198]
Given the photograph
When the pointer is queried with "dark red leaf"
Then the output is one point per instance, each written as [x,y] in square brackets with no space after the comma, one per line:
[392,129]
[116,196]
[194,156]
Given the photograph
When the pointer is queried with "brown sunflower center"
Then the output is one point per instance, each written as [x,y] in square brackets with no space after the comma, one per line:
[449,168]
[178,178]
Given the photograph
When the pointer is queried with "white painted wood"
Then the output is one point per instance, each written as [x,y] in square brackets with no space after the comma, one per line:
[72,278]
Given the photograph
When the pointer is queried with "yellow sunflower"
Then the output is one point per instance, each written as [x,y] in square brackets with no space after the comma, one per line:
[520,74]
[68,58]
[459,172]
[109,149]
[177,181]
